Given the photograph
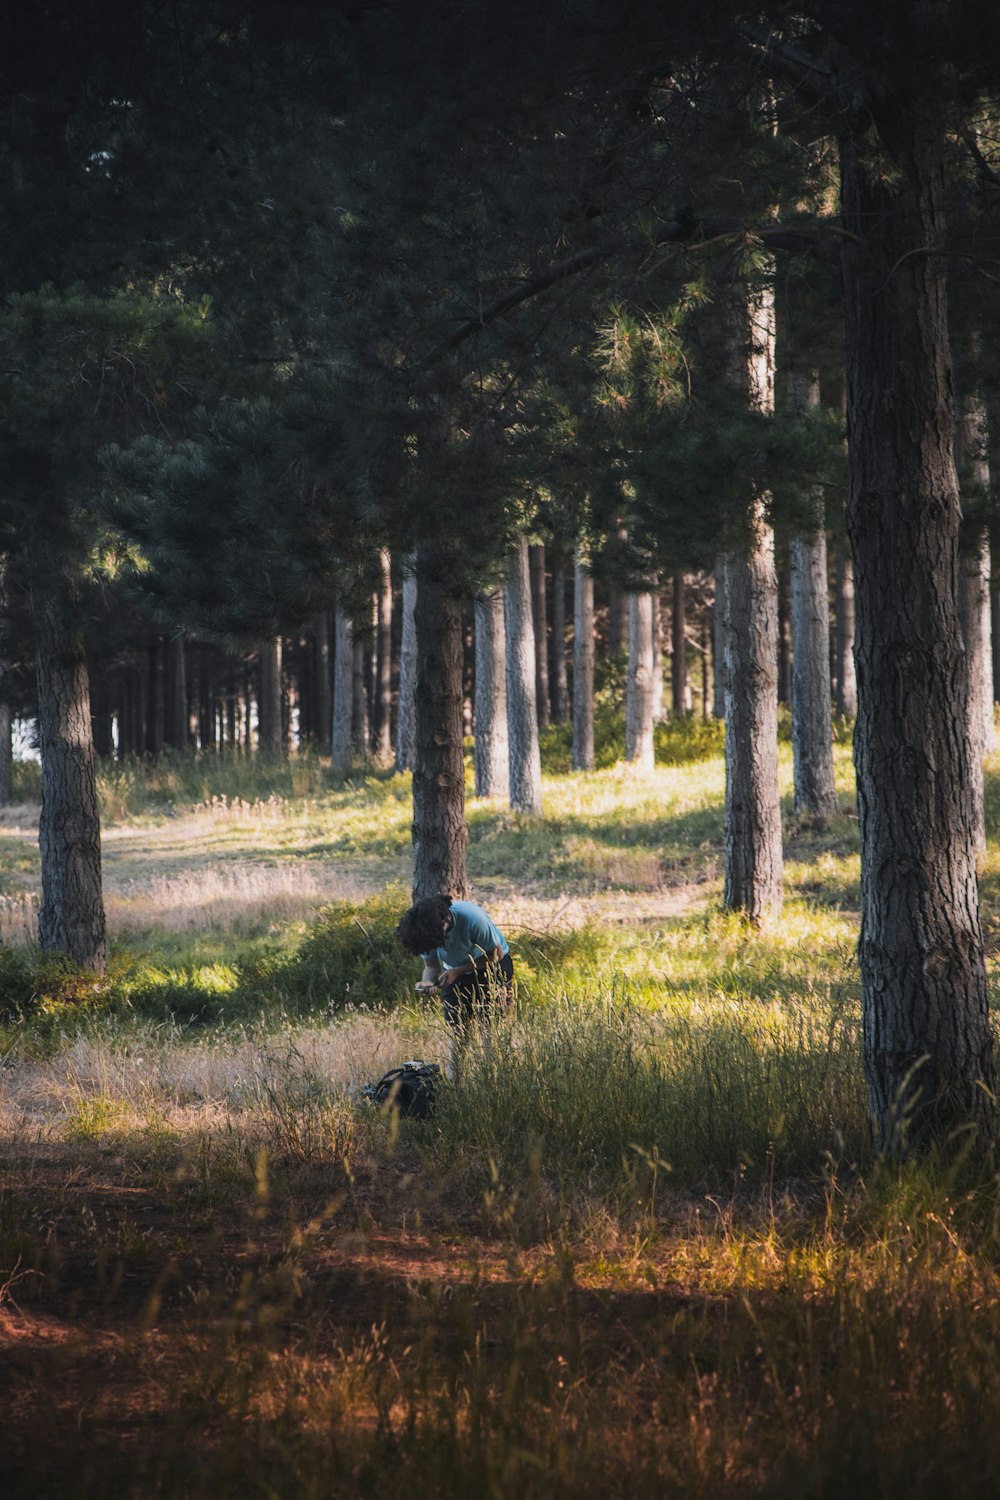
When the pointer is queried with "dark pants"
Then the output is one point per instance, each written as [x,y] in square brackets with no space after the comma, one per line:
[482,996]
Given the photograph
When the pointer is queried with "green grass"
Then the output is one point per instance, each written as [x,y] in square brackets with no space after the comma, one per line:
[642,1247]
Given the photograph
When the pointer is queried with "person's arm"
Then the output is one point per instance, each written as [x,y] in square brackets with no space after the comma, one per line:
[451,975]
[430,978]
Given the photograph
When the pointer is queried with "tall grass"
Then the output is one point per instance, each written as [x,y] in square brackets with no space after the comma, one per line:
[642,1247]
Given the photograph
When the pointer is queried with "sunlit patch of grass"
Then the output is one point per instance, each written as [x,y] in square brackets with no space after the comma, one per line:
[642,1247]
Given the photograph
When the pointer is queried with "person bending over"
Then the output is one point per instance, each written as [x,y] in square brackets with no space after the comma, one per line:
[466,959]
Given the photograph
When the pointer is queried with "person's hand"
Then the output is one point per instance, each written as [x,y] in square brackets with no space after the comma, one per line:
[450,976]
[426,986]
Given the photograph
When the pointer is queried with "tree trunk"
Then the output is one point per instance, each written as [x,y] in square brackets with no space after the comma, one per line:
[322,714]
[658,709]
[176,723]
[440,832]
[753,855]
[383,702]
[847,685]
[360,722]
[974,594]
[678,647]
[6,735]
[928,1045]
[719,639]
[405,726]
[639,686]
[269,735]
[468,670]
[341,736]
[557,675]
[583,666]
[71,919]
[522,715]
[784,639]
[539,614]
[812,737]
[492,752]
[974,610]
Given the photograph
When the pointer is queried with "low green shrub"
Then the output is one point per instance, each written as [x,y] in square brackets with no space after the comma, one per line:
[26,781]
[677,740]
[348,956]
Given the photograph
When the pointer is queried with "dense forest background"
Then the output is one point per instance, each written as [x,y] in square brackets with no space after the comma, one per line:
[519,450]
[297,292]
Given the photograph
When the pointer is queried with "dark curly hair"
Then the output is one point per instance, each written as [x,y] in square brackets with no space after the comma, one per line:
[422,928]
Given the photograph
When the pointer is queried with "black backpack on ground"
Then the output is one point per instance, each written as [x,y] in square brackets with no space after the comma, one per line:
[411,1089]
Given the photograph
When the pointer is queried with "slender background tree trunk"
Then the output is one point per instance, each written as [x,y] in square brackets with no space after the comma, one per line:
[405,726]
[492,742]
[6,738]
[753,853]
[583,666]
[678,647]
[847,685]
[639,686]
[383,707]
[522,714]
[343,694]
[269,727]
[557,675]
[440,832]
[539,613]
[812,714]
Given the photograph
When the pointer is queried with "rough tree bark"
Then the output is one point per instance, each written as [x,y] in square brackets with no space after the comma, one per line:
[719,639]
[846,699]
[753,854]
[539,614]
[522,714]
[360,718]
[440,832]
[974,595]
[71,919]
[658,708]
[321,677]
[678,647]
[341,736]
[583,666]
[927,1040]
[269,717]
[812,737]
[6,725]
[383,702]
[557,674]
[639,683]
[492,747]
[405,727]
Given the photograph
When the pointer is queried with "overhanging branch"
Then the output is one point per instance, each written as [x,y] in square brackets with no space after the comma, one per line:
[680,233]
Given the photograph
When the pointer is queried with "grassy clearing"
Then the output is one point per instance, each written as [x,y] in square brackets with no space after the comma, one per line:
[641,1248]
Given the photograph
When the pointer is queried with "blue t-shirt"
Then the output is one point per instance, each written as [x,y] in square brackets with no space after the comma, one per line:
[471,936]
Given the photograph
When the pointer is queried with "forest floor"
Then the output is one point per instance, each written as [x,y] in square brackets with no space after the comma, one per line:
[641,1249]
